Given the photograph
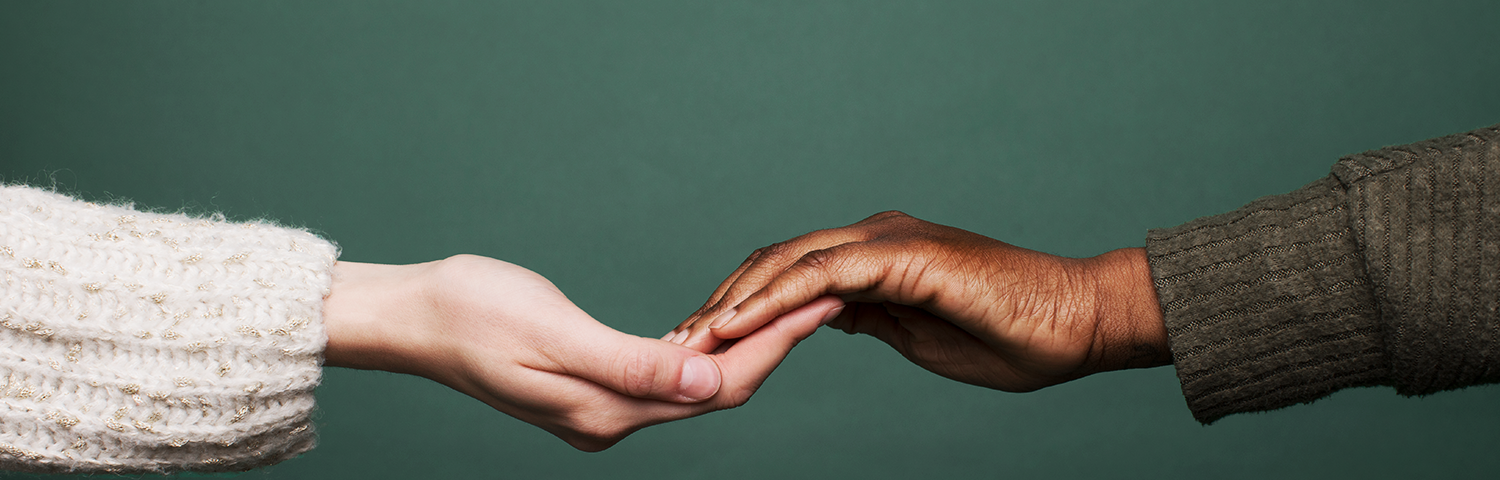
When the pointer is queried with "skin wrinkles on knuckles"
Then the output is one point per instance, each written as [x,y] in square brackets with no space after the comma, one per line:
[958,303]
[1036,313]
[639,372]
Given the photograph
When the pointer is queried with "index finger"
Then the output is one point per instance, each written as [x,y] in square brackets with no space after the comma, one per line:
[757,271]
[746,364]
[840,270]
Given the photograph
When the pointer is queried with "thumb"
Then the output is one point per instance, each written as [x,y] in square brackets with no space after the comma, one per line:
[644,367]
[751,359]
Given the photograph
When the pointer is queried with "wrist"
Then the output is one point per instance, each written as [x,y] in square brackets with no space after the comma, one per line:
[374,317]
[1129,329]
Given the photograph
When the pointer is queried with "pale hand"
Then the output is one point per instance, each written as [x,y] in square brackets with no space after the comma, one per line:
[506,336]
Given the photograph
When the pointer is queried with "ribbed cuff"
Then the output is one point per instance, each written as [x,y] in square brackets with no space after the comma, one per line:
[1269,305]
[139,342]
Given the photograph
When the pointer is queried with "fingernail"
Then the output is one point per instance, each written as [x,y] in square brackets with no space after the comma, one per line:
[668,336]
[700,378]
[723,318]
[681,337]
[832,314]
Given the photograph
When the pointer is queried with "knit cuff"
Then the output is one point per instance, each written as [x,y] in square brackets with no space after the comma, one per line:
[1269,305]
[142,342]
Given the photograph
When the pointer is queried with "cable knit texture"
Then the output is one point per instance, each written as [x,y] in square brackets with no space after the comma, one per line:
[1383,273]
[142,342]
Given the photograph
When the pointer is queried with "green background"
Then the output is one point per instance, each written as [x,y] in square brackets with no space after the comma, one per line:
[635,152]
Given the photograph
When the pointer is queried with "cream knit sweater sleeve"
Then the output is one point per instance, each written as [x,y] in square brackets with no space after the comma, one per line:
[142,342]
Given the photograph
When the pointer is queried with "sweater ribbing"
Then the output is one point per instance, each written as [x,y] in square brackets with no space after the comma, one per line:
[134,342]
[1428,217]
[1380,274]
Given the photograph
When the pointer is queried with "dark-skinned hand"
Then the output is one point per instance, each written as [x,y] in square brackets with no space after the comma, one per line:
[956,303]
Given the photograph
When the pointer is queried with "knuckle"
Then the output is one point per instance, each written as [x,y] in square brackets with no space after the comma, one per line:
[453,269]
[462,260]
[639,371]
[883,225]
[819,260]
[710,305]
[755,255]
[775,253]
[698,314]
[885,216]
[823,235]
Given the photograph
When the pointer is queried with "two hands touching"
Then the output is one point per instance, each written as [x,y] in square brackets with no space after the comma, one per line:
[505,335]
[959,304]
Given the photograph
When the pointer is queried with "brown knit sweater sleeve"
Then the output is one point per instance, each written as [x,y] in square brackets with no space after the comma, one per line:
[1383,273]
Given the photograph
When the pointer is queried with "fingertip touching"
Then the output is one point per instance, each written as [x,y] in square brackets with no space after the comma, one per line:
[837,269]
[760,309]
[751,359]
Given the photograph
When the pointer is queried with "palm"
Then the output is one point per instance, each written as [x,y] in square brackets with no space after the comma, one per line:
[941,347]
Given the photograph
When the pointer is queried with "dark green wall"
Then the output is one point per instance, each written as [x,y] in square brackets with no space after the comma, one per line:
[635,152]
